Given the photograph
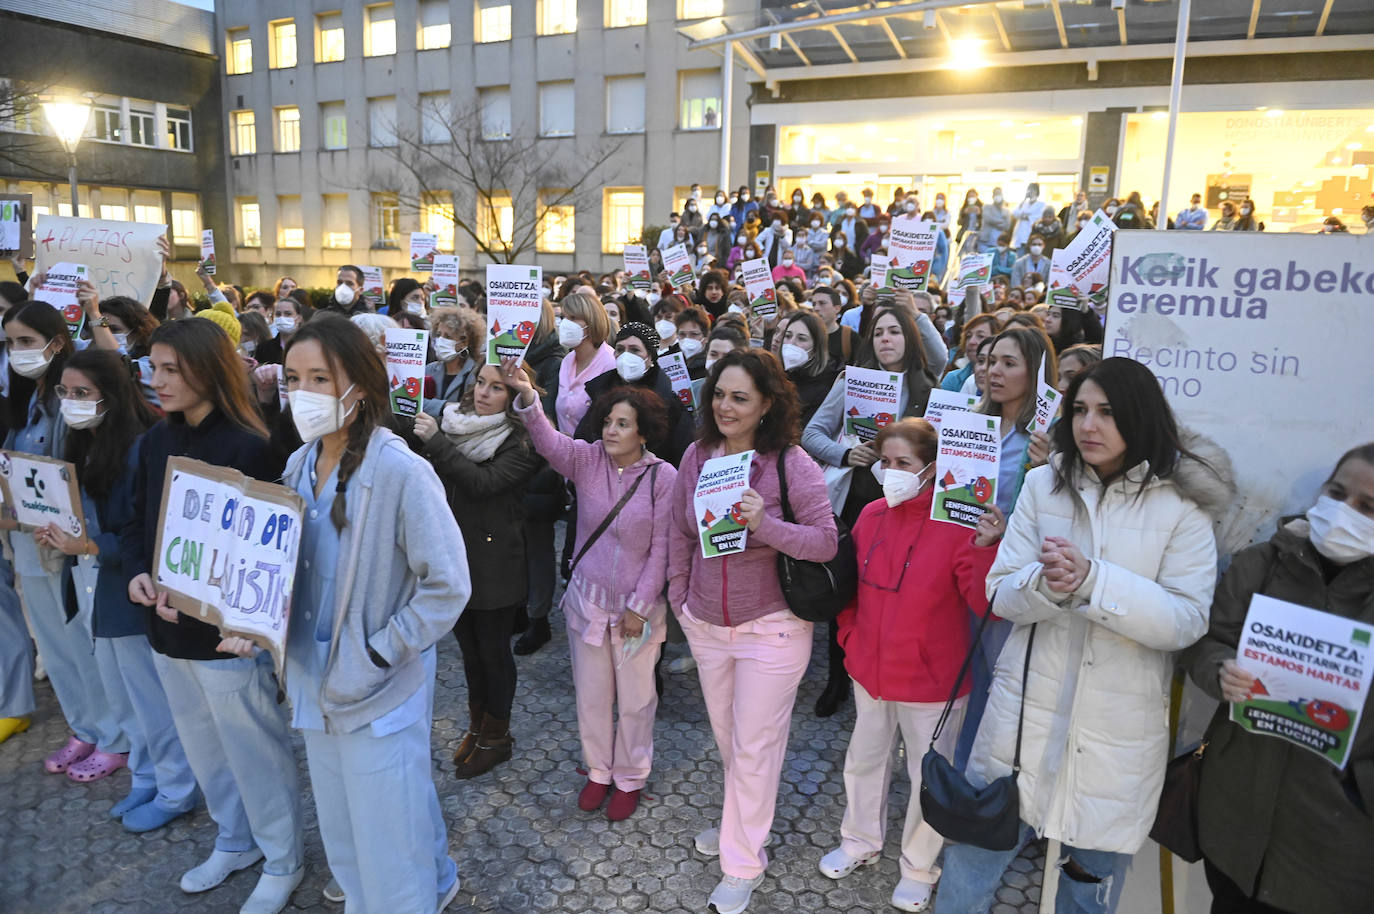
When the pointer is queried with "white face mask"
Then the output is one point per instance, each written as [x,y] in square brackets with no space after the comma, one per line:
[630,366]
[81,413]
[1110,211]
[787,261]
[701,251]
[653,298]
[445,350]
[665,329]
[844,299]
[689,346]
[1339,532]
[910,207]
[1036,248]
[343,294]
[284,325]
[416,307]
[900,486]
[709,363]
[736,309]
[815,223]
[570,334]
[30,363]
[996,198]
[123,340]
[316,414]
[793,355]
[249,346]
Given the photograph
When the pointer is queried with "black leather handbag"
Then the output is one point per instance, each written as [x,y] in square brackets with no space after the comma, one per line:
[816,591]
[987,817]
[1175,825]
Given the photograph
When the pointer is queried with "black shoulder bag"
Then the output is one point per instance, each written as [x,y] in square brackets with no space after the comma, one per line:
[987,817]
[816,591]
[615,512]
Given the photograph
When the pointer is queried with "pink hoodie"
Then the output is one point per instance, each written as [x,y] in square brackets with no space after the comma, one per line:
[733,589]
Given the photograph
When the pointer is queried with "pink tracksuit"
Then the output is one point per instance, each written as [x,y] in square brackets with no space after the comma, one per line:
[751,651]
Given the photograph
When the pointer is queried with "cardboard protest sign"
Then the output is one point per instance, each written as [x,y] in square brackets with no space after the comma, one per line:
[910,250]
[872,399]
[207,251]
[121,257]
[1088,257]
[717,504]
[1225,322]
[975,272]
[374,292]
[637,267]
[12,223]
[226,550]
[674,365]
[445,277]
[966,467]
[405,369]
[678,263]
[423,247]
[41,491]
[1047,400]
[1312,672]
[59,290]
[758,285]
[943,401]
[515,305]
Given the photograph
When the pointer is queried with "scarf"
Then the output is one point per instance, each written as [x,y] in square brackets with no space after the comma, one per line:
[476,437]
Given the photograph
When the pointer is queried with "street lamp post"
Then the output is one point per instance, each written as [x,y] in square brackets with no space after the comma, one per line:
[68,117]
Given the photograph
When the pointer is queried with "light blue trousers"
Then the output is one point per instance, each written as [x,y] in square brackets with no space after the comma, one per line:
[69,657]
[156,758]
[16,653]
[234,735]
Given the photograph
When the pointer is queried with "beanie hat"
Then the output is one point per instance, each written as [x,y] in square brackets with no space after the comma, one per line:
[225,307]
[227,323]
[648,335]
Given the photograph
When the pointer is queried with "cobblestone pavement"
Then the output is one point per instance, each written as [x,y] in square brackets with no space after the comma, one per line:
[520,841]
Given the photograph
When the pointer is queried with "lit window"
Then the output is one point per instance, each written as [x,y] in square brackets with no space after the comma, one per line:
[386,220]
[493,20]
[495,219]
[622,219]
[250,225]
[436,218]
[142,128]
[700,93]
[288,129]
[620,13]
[336,233]
[114,211]
[625,105]
[435,124]
[700,9]
[329,37]
[435,30]
[291,228]
[556,109]
[65,209]
[239,52]
[282,50]
[185,219]
[243,137]
[146,213]
[555,233]
[381,122]
[334,120]
[557,17]
[495,105]
[105,124]
[179,134]
[380,34]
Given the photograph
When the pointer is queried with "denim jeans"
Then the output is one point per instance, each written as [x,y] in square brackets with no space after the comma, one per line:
[16,651]
[972,875]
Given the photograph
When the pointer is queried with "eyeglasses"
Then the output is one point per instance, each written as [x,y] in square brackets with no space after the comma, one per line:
[896,588]
[75,393]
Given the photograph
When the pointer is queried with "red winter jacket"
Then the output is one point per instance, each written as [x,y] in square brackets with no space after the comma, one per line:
[906,632]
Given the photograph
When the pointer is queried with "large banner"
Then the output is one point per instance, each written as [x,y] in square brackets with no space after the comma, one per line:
[121,257]
[1261,342]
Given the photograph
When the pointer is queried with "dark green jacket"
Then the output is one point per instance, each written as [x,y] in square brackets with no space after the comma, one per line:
[1285,825]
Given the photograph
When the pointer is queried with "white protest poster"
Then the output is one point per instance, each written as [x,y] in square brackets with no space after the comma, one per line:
[1243,329]
[207,251]
[1047,400]
[515,304]
[872,399]
[226,550]
[41,491]
[717,504]
[943,401]
[637,273]
[674,365]
[59,290]
[1088,257]
[678,263]
[758,285]
[1311,671]
[10,212]
[975,272]
[444,275]
[374,292]
[877,273]
[966,467]
[423,247]
[910,251]
[122,257]
[1059,288]
[405,369]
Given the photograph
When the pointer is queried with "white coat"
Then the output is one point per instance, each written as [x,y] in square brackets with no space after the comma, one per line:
[1096,736]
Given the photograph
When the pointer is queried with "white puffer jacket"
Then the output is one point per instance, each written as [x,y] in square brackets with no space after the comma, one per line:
[1096,735]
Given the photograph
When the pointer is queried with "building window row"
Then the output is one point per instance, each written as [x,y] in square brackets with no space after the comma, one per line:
[179,211]
[134,122]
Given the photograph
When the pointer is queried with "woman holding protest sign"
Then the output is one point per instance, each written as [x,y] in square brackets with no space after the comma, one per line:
[1280,828]
[382,577]
[485,460]
[458,345]
[750,649]
[225,706]
[1107,566]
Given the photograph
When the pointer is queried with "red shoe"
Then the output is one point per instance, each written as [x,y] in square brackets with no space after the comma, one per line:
[67,756]
[97,765]
[623,804]
[592,796]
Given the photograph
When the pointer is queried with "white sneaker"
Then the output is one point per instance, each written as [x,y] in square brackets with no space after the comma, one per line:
[911,895]
[333,891]
[216,869]
[838,864]
[732,893]
[683,664]
[272,893]
[451,894]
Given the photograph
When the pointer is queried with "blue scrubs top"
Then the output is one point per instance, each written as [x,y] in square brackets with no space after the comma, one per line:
[1009,468]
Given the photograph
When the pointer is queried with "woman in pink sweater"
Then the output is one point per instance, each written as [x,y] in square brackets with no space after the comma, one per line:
[614,601]
[751,651]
